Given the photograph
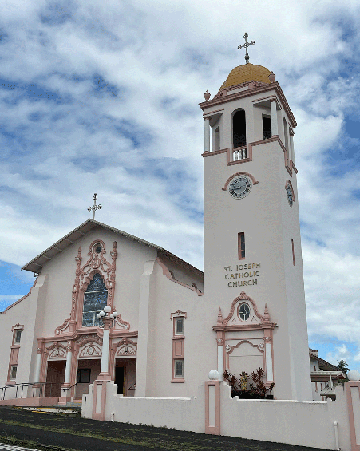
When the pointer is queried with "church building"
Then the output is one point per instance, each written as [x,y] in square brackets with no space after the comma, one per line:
[108,306]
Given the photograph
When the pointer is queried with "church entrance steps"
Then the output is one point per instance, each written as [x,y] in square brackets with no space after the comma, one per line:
[74,403]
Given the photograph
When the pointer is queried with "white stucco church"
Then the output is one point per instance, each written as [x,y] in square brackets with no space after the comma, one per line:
[166,323]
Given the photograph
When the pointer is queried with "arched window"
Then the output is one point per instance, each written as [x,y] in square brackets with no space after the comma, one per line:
[239,129]
[94,301]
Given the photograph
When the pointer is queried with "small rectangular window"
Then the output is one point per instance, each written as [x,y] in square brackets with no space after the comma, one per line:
[293,250]
[83,376]
[17,337]
[13,371]
[266,127]
[179,326]
[241,245]
[179,368]
[217,138]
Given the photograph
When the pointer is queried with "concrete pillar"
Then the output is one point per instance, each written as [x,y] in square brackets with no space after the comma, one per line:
[105,351]
[221,361]
[274,120]
[207,134]
[269,370]
[143,353]
[37,368]
[68,367]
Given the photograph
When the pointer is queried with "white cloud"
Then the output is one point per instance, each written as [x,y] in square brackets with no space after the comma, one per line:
[140,151]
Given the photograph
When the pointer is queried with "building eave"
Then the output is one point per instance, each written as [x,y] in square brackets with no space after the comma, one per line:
[217,100]
[37,263]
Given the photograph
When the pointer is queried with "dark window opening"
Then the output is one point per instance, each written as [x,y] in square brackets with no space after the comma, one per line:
[241,245]
[179,326]
[83,376]
[98,248]
[266,127]
[217,139]
[239,129]
[18,336]
[13,372]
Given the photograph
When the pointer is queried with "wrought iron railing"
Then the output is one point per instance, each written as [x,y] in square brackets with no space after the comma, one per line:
[40,385]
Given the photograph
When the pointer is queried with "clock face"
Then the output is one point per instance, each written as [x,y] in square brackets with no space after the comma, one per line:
[240,186]
[290,195]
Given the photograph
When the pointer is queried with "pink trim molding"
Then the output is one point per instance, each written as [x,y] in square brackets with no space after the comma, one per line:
[354,440]
[255,182]
[178,313]
[215,428]
[256,321]
[170,276]
[99,415]
[226,95]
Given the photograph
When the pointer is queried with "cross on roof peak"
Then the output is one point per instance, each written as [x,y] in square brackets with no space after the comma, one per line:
[94,207]
[245,46]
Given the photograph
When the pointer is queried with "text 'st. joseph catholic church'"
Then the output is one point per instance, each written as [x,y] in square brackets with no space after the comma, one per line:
[175,323]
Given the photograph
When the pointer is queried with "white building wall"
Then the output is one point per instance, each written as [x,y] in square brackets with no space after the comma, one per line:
[199,343]
[269,224]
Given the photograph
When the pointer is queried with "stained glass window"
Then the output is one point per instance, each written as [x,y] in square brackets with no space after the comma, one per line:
[95,300]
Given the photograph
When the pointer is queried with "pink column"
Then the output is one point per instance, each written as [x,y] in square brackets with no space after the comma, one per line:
[99,386]
[212,407]
[353,404]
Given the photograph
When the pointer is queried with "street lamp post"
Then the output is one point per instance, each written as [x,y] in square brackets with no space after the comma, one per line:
[108,319]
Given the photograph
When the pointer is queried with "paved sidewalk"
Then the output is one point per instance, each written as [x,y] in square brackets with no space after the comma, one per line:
[65,432]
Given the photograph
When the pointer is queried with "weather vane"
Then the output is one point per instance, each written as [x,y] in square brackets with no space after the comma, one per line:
[94,207]
[245,46]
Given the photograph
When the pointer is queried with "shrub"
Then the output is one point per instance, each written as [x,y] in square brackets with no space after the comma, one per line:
[239,386]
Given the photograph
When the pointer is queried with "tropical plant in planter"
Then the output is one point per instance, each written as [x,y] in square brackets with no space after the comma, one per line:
[257,388]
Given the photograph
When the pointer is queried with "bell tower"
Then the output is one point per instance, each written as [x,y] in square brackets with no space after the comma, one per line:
[253,258]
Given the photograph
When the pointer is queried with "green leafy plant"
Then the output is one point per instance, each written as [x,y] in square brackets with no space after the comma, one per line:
[239,386]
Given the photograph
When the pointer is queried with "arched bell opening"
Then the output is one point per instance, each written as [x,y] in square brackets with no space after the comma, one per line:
[239,128]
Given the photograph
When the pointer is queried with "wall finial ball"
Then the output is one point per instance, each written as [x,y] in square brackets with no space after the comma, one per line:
[353,375]
[214,375]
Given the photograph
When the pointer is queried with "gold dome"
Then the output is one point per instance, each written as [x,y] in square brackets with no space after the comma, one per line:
[247,72]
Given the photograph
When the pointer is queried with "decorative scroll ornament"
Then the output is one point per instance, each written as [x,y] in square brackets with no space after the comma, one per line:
[63,328]
[90,349]
[260,346]
[126,347]
[120,323]
[56,351]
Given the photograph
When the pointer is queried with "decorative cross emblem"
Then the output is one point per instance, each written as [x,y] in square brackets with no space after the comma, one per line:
[245,46]
[94,207]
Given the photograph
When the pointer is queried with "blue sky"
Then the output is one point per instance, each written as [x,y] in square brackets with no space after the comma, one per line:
[103,97]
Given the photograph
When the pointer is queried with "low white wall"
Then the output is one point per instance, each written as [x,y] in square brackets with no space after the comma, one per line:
[309,423]
[185,414]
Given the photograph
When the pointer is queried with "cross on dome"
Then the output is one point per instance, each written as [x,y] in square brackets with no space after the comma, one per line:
[245,46]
